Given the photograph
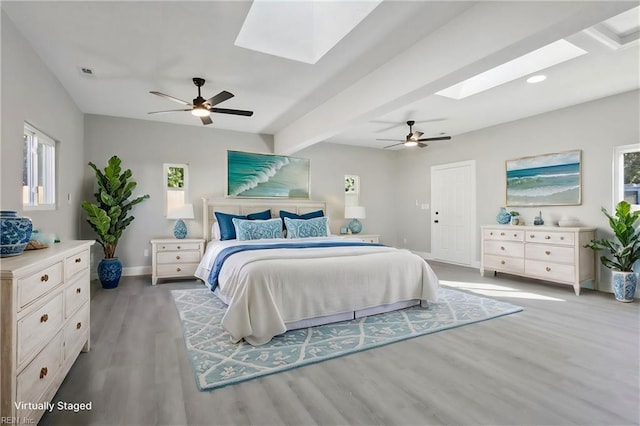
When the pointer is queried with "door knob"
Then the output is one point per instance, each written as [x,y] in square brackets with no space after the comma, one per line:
[435,221]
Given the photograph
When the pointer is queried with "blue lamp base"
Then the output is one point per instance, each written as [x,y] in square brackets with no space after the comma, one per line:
[180,230]
[355,226]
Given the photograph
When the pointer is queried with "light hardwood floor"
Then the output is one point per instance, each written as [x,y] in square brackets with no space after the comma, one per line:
[564,360]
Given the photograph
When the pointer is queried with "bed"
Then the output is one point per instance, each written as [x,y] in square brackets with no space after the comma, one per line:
[272,285]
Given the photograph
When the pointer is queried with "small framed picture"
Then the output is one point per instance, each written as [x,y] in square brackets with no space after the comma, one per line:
[343,229]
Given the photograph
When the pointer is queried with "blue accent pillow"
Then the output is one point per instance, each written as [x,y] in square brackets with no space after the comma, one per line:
[305,228]
[228,231]
[310,215]
[257,229]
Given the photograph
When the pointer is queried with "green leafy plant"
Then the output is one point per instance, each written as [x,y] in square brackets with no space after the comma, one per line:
[110,215]
[625,249]
[514,213]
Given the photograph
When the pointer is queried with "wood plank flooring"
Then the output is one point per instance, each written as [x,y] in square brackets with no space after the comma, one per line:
[564,360]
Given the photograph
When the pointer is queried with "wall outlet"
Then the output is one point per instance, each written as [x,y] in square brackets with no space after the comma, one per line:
[146,252]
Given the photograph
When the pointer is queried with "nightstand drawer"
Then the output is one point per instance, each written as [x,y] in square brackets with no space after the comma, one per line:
[178,246]
[179,257]
[76,263]
[177,270]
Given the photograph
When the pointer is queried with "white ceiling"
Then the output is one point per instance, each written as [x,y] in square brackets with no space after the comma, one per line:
[381,74]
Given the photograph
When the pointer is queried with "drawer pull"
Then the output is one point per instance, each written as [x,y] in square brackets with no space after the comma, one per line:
[178,247]
[78,260]
[163,247]
[548,269]
[547,237]
[78,290]
[44,318]
[531,236]
[501,248]
[502,234]
[502,262]
[78,325]
[177,257]
[43,372]
[561,238]
[178,269]
[490,233]
[44,278]
[547,252]
[515,235]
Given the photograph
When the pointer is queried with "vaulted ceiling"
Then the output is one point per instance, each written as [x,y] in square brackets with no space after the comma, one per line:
[384,72]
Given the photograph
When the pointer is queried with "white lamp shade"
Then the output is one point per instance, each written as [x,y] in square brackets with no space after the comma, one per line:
[354,212]
[184,211]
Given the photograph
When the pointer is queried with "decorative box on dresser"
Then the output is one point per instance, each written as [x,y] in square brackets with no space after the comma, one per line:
[555,254]
[175,258]
[365,238]
[44,324]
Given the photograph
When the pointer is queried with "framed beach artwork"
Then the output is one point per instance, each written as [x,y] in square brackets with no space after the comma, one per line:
[254,175]
[545,180]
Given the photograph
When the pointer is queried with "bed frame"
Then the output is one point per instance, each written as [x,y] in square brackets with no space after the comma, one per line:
[244,206]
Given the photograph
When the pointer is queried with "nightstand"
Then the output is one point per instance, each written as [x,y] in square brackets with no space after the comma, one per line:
[365,238]
[173,258]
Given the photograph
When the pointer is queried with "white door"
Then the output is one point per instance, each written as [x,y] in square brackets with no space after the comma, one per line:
[453,212]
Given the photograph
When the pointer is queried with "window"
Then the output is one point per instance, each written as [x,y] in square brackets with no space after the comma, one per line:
[626,168]
[176,184]
[39,170]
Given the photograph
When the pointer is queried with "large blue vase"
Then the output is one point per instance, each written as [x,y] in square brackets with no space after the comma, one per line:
[503,216]
[624,285]
[15,233]
[180,230]
[109,272]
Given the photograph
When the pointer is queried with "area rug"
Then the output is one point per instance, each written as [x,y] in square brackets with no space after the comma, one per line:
[218,362]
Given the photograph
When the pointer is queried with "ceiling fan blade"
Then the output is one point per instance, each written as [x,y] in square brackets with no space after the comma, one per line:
[232,111]
[170,110]
[422,145]
[206,120]
[415,136]
[439,138]
[180,101]
[395,144]
[390,140]
[220,97]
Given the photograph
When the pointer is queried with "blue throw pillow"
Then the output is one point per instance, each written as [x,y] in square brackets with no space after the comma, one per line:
[257,229]
[310,215]
[227,230]
[305,228]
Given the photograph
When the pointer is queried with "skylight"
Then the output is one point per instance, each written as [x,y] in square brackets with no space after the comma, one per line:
[300,30]
[545,57]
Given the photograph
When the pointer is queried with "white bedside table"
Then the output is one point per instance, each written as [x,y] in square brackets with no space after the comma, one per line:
[174,258]
[365,238]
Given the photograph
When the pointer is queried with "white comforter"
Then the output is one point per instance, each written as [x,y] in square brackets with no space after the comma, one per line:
[267,288]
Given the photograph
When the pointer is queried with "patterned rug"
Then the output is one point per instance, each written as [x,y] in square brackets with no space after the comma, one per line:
[217,362]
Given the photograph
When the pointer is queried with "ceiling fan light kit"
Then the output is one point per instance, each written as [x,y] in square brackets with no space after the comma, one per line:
[414,138]
[201,107]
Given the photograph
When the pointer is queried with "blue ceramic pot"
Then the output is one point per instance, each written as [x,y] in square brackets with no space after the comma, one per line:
[503,216]
[180,230]
[15,233]
[624,285]
[109,272]
[355,226]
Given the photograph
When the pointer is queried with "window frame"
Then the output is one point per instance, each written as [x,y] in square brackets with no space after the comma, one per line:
[174,196]
[32,160]
[618,173]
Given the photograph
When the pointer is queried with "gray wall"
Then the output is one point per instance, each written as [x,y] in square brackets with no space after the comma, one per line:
[30,92]
[595,127]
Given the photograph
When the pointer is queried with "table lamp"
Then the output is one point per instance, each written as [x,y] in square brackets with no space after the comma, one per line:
[354,213]
[184,211]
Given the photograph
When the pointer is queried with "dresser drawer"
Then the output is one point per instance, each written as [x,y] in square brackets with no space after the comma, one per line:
[76,294]
[34,380]
[178,246]
[558,272]
[76,263]
[179,257]
[39,283]
[550,253]
[75,332]
[36,328]
[504,263]
[503,234]
[550,237]
[504,248]
[177,269]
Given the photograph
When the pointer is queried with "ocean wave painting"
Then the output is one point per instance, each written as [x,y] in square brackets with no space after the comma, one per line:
[544,180]
[266,176]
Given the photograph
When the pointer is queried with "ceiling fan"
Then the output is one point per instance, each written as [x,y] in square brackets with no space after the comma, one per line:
[203,107]
[413,138]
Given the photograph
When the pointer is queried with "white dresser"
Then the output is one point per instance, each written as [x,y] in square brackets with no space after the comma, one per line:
[544,252]
[44,324]
[174,258]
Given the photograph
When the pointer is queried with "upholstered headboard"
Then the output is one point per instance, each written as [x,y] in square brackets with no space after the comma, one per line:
[244,206]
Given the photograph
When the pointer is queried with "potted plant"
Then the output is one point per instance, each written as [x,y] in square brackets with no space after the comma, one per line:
[110,215]
[515,217]
[624,250]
